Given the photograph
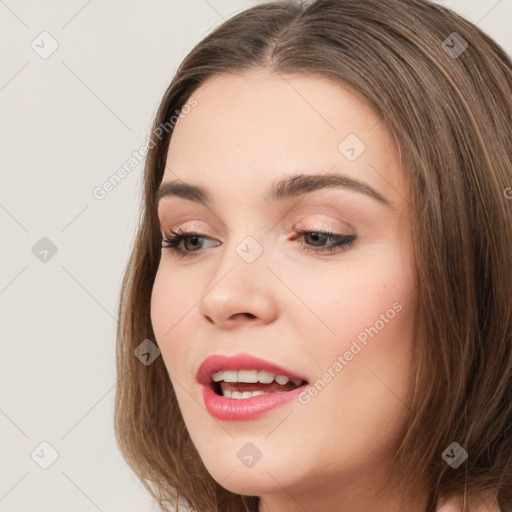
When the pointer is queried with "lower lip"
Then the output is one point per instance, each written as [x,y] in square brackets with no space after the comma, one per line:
[233,409]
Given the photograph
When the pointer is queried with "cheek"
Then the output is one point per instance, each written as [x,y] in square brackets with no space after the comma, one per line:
[367,309]
[171,307]
[351,295]
[368,322]
[361,372]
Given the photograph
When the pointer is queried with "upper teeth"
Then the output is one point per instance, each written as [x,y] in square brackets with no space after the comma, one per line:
[251,376]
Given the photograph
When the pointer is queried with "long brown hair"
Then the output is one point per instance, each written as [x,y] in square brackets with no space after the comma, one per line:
[444,90]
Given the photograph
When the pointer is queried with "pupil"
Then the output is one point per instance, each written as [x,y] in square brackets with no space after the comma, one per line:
[195,240]
[315,236]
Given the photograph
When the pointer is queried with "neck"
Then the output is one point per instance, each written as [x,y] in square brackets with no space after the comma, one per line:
[345,495]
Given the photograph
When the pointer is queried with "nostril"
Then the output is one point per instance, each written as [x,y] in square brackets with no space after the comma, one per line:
[250,315]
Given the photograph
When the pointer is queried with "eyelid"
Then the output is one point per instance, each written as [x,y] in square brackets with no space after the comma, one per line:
[181,225]
[312,226]
[334,224]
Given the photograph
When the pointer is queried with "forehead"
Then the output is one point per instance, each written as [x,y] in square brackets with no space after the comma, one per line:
[247,130]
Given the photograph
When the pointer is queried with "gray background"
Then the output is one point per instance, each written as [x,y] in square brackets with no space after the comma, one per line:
[69,121]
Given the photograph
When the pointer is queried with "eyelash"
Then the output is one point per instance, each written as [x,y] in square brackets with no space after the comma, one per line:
[172,239]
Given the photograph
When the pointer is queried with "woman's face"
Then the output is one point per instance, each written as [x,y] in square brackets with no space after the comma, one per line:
[256,283]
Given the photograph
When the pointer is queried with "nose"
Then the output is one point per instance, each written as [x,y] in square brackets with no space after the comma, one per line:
[239,292]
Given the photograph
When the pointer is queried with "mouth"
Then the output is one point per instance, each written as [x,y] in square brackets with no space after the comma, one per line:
[243,373]
[244,387]
[244,384]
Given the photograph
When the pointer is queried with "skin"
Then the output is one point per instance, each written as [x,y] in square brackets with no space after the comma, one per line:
[291,306]
[482,502]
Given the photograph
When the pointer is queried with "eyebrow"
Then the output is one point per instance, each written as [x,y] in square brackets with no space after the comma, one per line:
[291,186]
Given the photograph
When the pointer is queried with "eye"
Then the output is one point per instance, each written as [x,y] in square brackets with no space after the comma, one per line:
[338,242]
[173,239]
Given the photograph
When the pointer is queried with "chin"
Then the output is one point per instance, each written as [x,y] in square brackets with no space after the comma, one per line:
[248,482]
[232,468]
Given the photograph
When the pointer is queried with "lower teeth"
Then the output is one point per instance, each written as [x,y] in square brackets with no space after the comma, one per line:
[243,395]
[238,395]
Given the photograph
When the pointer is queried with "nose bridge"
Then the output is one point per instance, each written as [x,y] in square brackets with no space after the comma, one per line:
[239,283]
[244,244]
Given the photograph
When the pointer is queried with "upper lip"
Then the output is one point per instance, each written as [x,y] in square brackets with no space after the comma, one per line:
[218,362]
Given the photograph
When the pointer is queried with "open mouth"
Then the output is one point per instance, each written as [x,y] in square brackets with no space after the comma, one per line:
[243,384]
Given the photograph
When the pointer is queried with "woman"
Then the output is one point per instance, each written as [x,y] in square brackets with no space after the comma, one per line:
[324,262]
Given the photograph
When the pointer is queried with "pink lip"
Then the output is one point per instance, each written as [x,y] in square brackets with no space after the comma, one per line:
[244,409]
[232,409]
